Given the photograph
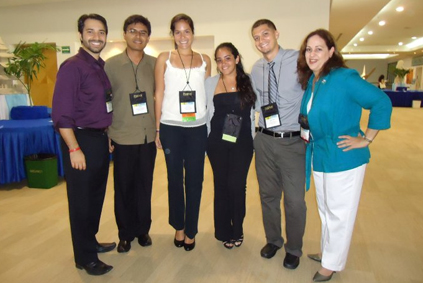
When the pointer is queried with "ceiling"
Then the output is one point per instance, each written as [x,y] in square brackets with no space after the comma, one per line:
[351,20]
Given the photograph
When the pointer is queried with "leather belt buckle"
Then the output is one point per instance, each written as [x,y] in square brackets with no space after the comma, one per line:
[280,135]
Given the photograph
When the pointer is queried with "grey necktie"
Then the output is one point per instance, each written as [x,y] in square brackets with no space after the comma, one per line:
[273,84]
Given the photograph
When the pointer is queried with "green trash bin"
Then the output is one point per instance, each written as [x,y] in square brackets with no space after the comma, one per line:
[41,170]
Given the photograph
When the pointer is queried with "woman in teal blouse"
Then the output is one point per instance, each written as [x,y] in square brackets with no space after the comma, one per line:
[337,149]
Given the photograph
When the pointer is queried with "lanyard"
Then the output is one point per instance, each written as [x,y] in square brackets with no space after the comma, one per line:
[183,65]
[135,71]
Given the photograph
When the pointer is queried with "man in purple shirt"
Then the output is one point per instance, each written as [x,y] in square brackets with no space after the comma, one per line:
[82,113]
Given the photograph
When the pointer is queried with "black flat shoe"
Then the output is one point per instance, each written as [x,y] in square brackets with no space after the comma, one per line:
[95,268]
[189,247]
[178,244]
[105,247]
[124,246]
[269,250]
[144,240]
[291,261]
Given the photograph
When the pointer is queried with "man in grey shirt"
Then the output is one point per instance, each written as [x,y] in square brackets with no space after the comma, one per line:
[132,133]
[280,152]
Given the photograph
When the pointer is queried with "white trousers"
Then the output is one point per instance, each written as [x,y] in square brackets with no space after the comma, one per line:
[338,196]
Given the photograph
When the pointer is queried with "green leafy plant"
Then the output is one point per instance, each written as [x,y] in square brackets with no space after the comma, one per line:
[401,72]
[27,61]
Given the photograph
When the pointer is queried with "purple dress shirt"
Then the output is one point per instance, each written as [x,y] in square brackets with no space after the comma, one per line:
[80,93]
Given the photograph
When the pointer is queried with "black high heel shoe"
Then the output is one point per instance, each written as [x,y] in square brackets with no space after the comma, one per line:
[178,244]
[189,247]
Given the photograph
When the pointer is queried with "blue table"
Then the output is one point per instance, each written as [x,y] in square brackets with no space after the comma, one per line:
[19,138]
[404,98]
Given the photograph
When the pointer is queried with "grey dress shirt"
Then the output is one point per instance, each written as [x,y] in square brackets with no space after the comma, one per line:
[290,93]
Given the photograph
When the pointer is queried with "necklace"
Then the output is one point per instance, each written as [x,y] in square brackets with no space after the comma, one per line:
[224,85]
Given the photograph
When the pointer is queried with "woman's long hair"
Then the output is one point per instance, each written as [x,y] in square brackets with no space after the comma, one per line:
[336,61]
[243,81]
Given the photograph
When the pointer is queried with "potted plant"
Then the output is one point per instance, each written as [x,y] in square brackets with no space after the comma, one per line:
[400,72]
[26,63]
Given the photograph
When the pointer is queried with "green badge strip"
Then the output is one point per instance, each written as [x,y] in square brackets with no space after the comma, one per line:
[188,117]
[228,138]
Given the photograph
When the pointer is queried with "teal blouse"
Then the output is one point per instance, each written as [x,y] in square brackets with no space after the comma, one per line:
[336,109]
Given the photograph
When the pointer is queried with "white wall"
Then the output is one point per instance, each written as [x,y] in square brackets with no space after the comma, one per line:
[225,20]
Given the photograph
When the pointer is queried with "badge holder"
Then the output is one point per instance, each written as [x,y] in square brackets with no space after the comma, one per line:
[305,127]
[138,103]
[187,105]
[109,105]
[231,128]
[271,115]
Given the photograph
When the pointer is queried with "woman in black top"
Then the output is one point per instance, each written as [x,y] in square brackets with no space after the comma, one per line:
[230,142]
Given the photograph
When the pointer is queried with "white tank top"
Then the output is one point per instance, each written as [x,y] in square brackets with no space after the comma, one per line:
[175,81]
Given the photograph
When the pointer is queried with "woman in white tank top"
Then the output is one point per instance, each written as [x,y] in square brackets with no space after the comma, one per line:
[180,107]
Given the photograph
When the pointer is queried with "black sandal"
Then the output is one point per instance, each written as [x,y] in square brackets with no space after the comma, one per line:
[228,244]
[238,242]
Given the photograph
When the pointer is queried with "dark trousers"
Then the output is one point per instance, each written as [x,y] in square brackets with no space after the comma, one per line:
[86,190]
[230,164]
[184,148]
[133,181]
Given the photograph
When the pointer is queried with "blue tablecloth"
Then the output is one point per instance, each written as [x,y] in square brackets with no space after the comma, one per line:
[19,138]
[404,98]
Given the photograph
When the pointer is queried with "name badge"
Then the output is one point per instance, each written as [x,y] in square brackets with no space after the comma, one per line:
[305,135]
[271,115]
[231,128]
[109,96]
[138,103]
[187,105]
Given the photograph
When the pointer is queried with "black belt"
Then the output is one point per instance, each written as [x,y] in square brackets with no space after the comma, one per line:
[92,129]
[278,135]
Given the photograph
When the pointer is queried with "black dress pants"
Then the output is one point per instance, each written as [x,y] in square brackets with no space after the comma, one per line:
[133,181]
[230,164]
[184,150]
[86,190]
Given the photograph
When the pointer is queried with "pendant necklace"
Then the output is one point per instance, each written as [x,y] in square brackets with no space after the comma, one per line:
[224,85]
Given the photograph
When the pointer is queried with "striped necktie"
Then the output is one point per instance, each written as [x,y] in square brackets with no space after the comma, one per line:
[273,84]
